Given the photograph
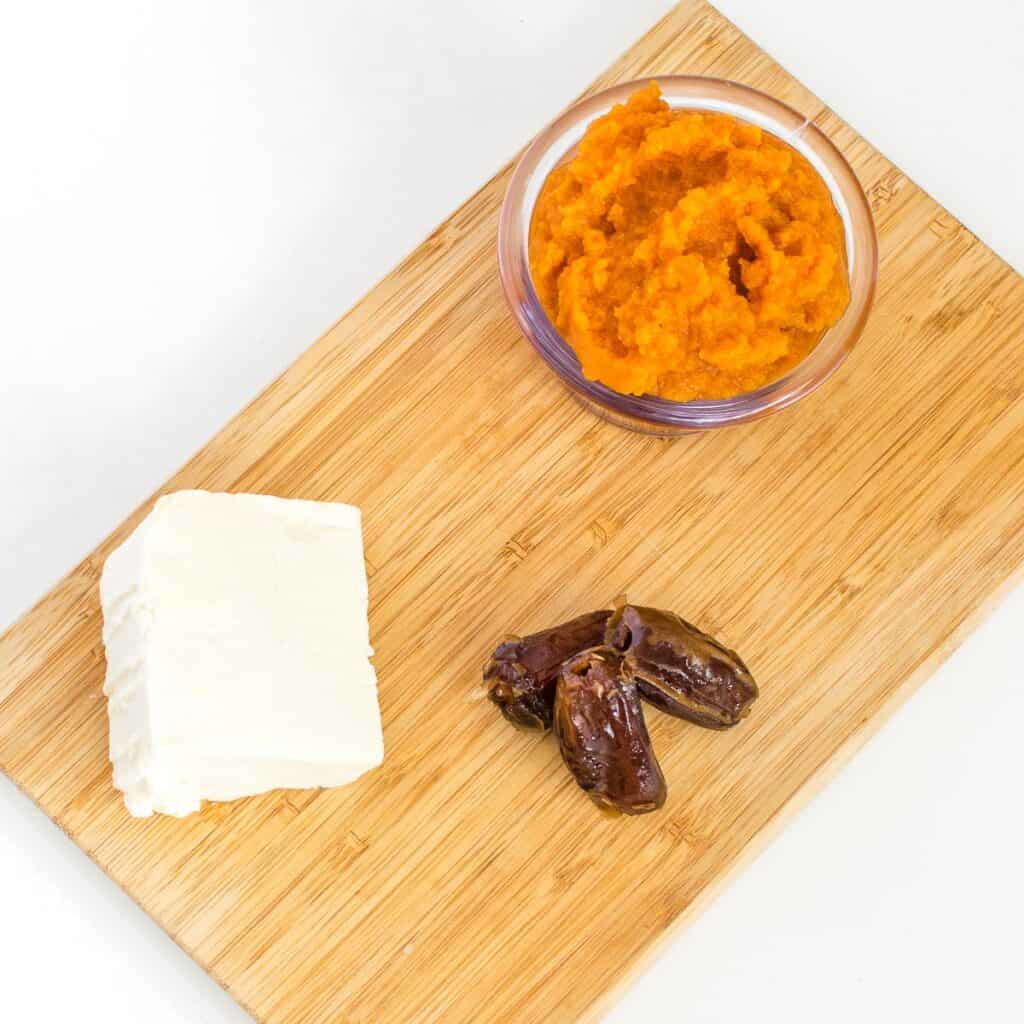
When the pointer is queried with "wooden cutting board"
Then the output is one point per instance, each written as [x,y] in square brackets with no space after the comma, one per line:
[845,547]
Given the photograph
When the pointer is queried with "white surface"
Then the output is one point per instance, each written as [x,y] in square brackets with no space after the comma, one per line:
[237,651]
[191,192]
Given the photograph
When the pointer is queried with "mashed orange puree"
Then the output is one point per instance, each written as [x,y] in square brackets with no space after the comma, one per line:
[687,255]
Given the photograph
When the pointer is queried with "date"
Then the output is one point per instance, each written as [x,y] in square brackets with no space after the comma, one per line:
[600,727]
[679,669]
[522,672]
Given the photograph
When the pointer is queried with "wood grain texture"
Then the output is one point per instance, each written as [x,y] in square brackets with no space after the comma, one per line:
[844,547]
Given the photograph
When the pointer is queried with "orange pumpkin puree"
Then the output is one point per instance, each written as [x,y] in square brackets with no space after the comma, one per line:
[687,255]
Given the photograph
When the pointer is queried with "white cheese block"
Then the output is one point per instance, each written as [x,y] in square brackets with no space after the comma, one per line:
[238,651]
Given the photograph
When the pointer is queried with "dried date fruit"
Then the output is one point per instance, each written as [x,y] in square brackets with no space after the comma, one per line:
[599,722]
[522,672]
[679,669]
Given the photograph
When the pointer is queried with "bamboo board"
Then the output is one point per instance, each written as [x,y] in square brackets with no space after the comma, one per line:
[845,547]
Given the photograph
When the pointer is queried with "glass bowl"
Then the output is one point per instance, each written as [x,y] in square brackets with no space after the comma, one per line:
[647,413]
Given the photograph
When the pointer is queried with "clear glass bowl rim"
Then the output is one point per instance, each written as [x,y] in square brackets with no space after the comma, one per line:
[552,145]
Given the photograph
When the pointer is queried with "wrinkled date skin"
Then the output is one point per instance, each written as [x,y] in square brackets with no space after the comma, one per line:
[681,670]
[599,722]
[522,672]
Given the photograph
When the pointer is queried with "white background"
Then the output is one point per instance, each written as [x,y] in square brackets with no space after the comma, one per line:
[190,193]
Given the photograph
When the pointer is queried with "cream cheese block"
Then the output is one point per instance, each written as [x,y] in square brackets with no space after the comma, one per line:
[238,651]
